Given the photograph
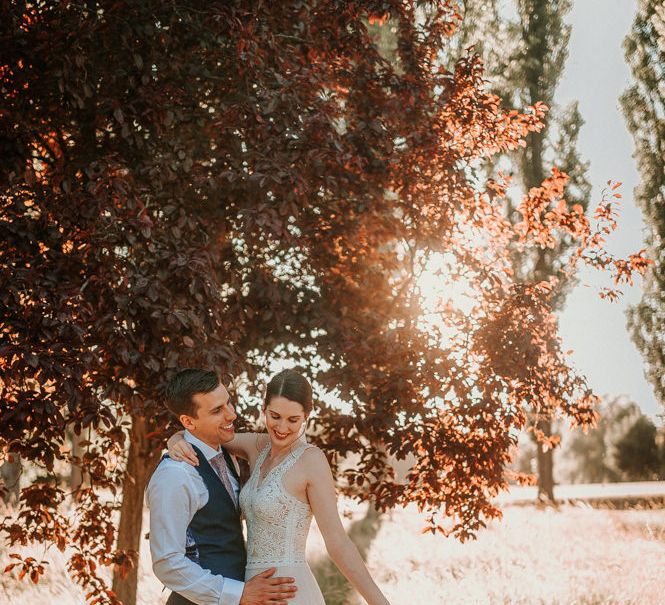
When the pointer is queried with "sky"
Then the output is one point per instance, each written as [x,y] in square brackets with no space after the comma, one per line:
[596,74]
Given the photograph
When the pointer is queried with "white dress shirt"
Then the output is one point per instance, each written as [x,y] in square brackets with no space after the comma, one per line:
[175,492]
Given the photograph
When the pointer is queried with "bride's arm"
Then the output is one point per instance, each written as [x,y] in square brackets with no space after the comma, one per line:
[243,445]
[323,500]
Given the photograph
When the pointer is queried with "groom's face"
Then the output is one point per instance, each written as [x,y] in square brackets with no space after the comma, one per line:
[213,423]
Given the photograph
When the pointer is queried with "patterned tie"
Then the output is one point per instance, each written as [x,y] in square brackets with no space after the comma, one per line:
[218,463]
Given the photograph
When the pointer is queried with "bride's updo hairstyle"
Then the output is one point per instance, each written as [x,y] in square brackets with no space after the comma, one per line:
[293,386]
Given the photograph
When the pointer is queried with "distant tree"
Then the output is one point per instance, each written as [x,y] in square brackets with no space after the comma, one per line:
[636,453]
[623,447]
[588,457]
[524,44]
[644,107]
[221,184]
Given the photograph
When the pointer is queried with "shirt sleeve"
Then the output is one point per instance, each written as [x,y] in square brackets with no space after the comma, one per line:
[173,499]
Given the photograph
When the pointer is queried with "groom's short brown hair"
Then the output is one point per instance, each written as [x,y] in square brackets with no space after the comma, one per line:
[180,390]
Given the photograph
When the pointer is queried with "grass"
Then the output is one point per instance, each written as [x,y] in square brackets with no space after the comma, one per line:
[575,555]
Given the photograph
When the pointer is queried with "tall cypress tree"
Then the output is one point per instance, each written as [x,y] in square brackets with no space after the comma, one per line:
[644,107]
[525,47]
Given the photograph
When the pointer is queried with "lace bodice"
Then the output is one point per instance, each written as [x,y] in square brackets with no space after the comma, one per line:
[277,522]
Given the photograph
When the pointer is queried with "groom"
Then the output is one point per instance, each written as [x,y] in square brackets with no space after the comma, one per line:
[196,540]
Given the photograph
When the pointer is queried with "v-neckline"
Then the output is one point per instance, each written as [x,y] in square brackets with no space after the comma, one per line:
[260,481]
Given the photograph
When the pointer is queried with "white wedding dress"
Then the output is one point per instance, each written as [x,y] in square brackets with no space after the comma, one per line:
[277,528]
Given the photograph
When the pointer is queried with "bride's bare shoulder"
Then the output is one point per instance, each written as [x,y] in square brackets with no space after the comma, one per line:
[318,477]
[314,460]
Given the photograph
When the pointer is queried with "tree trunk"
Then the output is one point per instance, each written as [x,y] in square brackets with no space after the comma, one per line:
[10,474]
[141,462]
[75,472]
[545,465]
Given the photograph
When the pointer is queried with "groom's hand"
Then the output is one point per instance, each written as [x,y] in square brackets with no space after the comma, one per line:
[263,588]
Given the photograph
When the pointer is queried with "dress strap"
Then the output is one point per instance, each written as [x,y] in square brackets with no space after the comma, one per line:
[256,471]
[295,455]
[278,470]
[263,454]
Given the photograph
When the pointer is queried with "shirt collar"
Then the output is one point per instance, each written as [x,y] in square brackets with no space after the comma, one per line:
[206,450]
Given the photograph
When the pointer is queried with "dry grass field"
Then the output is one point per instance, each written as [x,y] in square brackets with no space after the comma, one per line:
[574,555]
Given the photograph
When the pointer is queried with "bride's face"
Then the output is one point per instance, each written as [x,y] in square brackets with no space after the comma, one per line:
[284,420]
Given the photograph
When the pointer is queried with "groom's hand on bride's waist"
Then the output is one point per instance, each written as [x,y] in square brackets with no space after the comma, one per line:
[264,588]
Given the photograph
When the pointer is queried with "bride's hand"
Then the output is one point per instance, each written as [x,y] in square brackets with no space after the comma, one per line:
[179,449]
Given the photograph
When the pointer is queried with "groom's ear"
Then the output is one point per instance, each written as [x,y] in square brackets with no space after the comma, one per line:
[186,421]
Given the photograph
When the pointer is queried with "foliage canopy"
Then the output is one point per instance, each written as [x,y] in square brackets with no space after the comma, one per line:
[212,184]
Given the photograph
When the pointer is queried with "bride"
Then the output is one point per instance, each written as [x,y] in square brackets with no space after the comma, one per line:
[290,481]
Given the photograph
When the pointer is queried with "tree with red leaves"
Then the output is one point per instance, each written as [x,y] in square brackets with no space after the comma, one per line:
[220,184]
[524,47]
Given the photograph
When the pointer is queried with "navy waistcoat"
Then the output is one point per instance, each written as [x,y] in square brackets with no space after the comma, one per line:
[214,535]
